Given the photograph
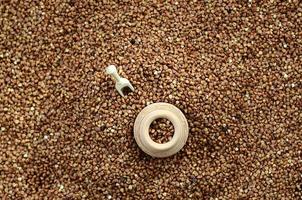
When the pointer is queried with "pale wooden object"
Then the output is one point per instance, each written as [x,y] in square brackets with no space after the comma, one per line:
[120,83]
[153,112]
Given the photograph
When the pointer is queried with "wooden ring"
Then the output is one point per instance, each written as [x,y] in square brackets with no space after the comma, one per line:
[153,112]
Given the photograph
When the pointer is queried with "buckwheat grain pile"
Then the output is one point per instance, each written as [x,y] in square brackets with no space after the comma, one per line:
[233,67]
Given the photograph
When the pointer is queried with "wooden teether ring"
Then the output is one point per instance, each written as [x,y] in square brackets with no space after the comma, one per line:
[153,112]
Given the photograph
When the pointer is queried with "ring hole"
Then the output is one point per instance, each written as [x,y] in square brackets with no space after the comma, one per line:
[161,130]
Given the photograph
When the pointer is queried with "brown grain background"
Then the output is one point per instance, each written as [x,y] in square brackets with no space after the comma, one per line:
[232,67]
